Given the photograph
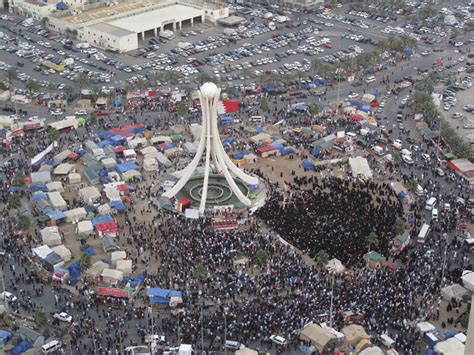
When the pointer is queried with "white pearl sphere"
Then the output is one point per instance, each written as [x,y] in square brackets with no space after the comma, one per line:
[209,90]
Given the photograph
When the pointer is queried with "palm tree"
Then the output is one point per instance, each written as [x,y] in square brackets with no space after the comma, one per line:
[82,81]
[182,110]
[314,109]
[316,65]
[51,87]
[171,77]
[96,92]
[156,77]
[11,75]
[322,258]
[30,151]
[399,226]
[204,77]
[74,33]
[68,91]
[31,85]
[142,84]
[53,134]
[373,240]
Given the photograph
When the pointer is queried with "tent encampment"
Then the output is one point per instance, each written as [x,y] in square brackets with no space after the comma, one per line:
[112,194]
[150,164]
[449,347]
[108,163]
[148,150]
[63,169]
[360,168]
[97,268]
[353,334]
[130,175]
[108,244]
[55,186]
[51,236]
[42,177]
[455,291]
[42,251]
[111,276]
[85,227]
[117,255]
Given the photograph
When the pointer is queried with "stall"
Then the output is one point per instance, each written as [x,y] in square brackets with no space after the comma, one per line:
[51,236]
[125,266]
[63,252]
[111,276]
[57,201]
[75,215]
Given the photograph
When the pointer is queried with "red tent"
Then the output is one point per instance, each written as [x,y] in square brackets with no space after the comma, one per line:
[357,118]
[374,104]
[122,188]
[107,228]
[112,292]
[73,156]
[119,149]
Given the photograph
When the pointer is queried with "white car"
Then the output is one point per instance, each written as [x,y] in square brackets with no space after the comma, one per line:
[407,159]
[57,112]
[10,297]
[81,113]
[278,340]
[63,317]
[457,115]
[353,95]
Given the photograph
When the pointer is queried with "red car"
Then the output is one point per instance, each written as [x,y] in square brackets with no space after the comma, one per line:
[101,112]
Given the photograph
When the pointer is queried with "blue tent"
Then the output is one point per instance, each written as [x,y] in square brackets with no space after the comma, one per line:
[90,251]
[316,151]
[117,139]
[301,107]
[61,6]
[135,281]
[105,135]
[74,270]
[253,187]
[228,141]
[401,195]
[20,348]
[5,335]
[226,119]
[101,219]
[308,166]
[105,143]
[38,195]
[38,187]
[122,168]
[118,205]
[118,102]
[239,155]
[259,130]
[161,295]
[55,215]
[365,108]
[287,151]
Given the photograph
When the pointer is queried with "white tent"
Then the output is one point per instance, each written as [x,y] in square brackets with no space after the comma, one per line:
[45,167]
[261,138]
[148,150]
[51,236]
[367,98]
[57,200]
[152,155]
[160,139]
[360,167]
[125,266]
[334,265]
[117,255]
[425,327]
[455,291]
[468,280]
[374,350]
[251,158]
[452,346]
[104,209]
[85,227]
[42,251]
[112,194]
[128,175]
[75,215]
[55,186]
[97,268]
[150,164]
[111,276]
[63,169]
[74,178]
[89,194]
[41,177]
[63,252]
[108,163]
[190,148]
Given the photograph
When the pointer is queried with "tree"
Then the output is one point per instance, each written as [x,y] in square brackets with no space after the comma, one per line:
[92,118]
[171,77]
[373,240]
[19,178]
[397,158]
[142,84]
[24,223]
[412,185]
[74,33]
[68,89]
[262,257]
[51,87]
[399,226]
[85,261]
[41,320]
[30,151]
[82,81]
[322,258]
[201,272]
[316,65]
[14,201]
[204,78]
[11,75]
[68,32]
[183,110]
[314,109]
[44,21]
[264,106]
[31,85]
[246,73]
[53,134]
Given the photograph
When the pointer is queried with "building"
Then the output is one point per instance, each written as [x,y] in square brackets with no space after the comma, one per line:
[120,26]
[304,4]
[40,9]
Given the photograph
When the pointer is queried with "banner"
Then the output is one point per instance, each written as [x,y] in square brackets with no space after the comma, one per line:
[42,154]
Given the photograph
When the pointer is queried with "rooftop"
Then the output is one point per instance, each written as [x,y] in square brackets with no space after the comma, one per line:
[111,29]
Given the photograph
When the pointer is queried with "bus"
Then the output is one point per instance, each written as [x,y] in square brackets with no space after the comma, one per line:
[51,65]
[424,231]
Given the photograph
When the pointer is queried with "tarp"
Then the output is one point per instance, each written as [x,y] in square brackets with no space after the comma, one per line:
[41,177]
[131,174]
[112,292]
[455,291]
[148,150]
[161,295]
[125,266]
[112,194]
[107,228]
[63,169]
[20,348]
[127,166]
[308,165]
[55,186]
[5,336]
[353,334]
[360,167]
[108,163]
[111,275]
[118,205]
[319,337]
[163,160]
[38,195]
[101,219]
[89,194]
[108,244]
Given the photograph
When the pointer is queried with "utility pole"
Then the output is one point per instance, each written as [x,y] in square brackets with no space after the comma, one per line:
[5,301]
[225,330]
[332,299]
[202,334]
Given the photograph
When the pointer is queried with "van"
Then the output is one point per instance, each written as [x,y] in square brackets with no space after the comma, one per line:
[370,79]
[51,347]
[387,341]
[378,150]
[351,135]
[430,203]
[233,345]
[258,119]
[434,214]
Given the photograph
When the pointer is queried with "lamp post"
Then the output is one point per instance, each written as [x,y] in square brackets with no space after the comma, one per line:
[468,282]
[225,330]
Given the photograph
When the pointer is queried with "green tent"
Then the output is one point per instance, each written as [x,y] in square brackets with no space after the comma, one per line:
[450,156]
[176,137]
[81,121]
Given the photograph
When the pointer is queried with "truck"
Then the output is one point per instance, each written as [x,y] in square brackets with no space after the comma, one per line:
[270,24]
[68,61]
[167,34]
[229,31]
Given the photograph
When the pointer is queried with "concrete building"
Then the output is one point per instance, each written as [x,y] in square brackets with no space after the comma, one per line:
[38,9]
[304,4]
[120,26]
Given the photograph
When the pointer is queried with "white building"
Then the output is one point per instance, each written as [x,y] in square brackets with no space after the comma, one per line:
[39,9]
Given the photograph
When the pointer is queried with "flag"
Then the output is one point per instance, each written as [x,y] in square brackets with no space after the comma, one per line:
[227,106]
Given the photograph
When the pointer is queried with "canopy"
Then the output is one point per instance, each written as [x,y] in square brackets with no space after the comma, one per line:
[335,266]
[112,275]
[55,186]
[130,174]
[85,227]
[89,194]
[150,164]
[112,194]
[117,255]
[125,266]
[41,177]
[360,167]
[107,228]
[61,6]
[354,334]
[108,244]
[161,295]
[104,209]
[455,291]
[425,327]
[112,292]
[122,168]
[148,150]
[246,351]
[108,163]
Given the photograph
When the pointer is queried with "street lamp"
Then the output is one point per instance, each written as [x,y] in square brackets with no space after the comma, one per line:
[334,266]
[225,329]
[468,282]
[338,71]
